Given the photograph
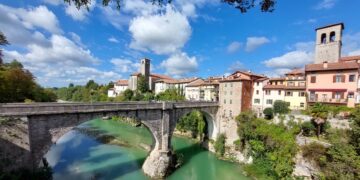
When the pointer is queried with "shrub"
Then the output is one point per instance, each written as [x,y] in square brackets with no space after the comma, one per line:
[268,112]
[220,145]
[281,107]
[308,128]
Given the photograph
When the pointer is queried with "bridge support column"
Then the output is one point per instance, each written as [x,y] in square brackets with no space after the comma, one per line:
[158,163]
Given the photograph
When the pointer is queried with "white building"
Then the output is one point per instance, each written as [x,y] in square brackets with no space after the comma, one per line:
[274,90]
[119,87]
[258,96]
[192,90]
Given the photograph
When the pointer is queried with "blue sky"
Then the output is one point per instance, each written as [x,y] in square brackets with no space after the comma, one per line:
[63,45]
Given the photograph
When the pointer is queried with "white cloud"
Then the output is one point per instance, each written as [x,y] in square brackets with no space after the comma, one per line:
[233,47]
[77,39]
[79,14]
[180,64]
[351,44]
[237,65]
[277,72]
[302,54]
[160,33]
[254,42]
[325,4]
[113,40]
[114,17]
[31,18]
[125,65]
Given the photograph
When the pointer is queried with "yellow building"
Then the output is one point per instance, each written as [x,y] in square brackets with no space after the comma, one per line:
[295,89]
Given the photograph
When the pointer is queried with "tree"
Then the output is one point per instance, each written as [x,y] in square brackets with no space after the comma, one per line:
[142,84]
[319,112]
[170,95]
[355,126]
[281,107]
[3,42]
[242,5]
[91,84]
[128,94]
[268,112]
[308,128]
[220,145]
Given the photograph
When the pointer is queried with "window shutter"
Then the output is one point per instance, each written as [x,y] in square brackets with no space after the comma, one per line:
[316,96]
[333,95]
[342,95]
[343,78]
[334,78]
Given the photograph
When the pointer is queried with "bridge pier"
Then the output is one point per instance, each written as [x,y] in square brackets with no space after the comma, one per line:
[159,161]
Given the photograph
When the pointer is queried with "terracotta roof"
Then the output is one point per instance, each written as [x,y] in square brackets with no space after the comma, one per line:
[169,81]
[160,76]
[350,58]
[187,80]
[332,66]
[136,74]
[274,86]
[196,83]
[122,82]
[296,72]
[262,79]
[277,79]
[241,76]
[248,73]
[341,24]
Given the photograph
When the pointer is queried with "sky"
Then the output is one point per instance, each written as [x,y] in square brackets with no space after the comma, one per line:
[60,44]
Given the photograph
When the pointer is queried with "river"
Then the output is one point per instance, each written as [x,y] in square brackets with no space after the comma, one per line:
[79,156]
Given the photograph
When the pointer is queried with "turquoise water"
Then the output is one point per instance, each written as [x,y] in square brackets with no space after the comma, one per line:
[83,156]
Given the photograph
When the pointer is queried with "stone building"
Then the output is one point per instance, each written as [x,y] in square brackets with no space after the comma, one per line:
[328,43]
[235,96]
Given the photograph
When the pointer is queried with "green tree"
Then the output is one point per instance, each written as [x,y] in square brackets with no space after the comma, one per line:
[128,94]
[281,107]
[91,84]
[142,84]
[308,128]
[242,5]
[355,129]
[3,42]
[268,113]
[170,95]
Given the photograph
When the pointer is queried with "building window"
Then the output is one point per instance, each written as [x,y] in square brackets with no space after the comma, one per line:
[352,78]
[338,78]
[269,101]
[267,92]
[351,95]
[230,101]
[323,38]
[230,92]
[291,84]
[257,83]
[230,113]
[313,79]
[332,36]
[225,84]
[337,95]
[231,85]
[257,91]
[302,104]
[256,101]
[279,92]
[289,93]
[302,94]
[224,101]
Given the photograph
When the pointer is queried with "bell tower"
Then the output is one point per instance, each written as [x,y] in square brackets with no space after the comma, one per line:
[145,68]
[328,43]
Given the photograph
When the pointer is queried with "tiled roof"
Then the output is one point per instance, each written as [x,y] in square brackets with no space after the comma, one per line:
[187,80]
[160,76]
[262,79]
[295,72]
[277,79]
[196,83]
[122,82]
[274,86]
[350,58]
[332,66]
[295,87]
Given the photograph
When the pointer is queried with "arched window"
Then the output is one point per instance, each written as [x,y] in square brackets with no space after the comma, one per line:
[332,36]
[323,38]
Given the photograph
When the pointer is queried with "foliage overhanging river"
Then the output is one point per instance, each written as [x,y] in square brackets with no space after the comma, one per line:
[80,155]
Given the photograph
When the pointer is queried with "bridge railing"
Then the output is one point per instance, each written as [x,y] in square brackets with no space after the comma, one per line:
[18,109]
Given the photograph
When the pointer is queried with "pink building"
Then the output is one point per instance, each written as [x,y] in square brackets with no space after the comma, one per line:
[332,83]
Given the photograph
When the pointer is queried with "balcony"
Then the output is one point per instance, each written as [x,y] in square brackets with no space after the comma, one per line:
[328,100]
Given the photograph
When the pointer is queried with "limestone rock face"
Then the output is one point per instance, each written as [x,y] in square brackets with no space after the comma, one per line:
[157,164]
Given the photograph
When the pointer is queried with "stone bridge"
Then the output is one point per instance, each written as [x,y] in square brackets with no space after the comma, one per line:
[45,123]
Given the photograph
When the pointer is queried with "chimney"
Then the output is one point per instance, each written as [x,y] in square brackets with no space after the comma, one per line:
[325,64]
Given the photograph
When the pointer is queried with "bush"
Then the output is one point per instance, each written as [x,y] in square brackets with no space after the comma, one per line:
[220,145]
[281,107]
[308,128]
[268,112]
